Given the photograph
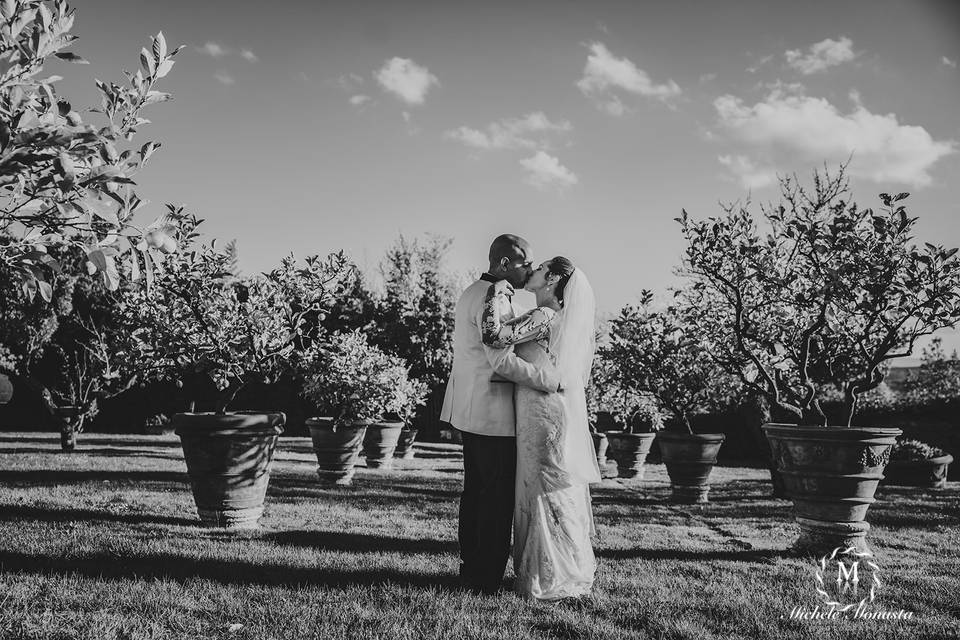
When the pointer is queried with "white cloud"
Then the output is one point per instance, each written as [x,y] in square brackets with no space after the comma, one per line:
[224,78]
[545,171]
[821,55]
[762,61]
[787,129]
[406,79]
[349,82]
[604,74]
[510,133]
[948,62]
[217,50]
[359,100]
[213,50]
[750,175]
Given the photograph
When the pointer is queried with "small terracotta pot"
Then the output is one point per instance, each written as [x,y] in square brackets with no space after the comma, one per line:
[69,417]
[337,448]
[931,473]
[630,451]
[689,458]
[380,442]
[6,389]
[228,460]
[404,448]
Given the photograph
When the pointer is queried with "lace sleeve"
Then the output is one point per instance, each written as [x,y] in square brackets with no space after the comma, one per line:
[530,326]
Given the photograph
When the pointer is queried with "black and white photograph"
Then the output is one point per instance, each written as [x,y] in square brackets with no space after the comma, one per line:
[410,319]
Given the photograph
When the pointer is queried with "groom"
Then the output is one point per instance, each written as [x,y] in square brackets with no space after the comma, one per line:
[481,408]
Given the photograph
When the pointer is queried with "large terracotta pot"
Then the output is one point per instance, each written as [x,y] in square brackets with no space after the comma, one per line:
[831,474]
[337,448]
[404,448]
[630,451]
[931,473]
[228,459]
[689,458]
[380,442]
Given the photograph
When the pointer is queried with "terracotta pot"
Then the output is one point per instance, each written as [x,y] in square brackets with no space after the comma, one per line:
[600,445]
[228,459]
[689,458]
[831,474]
[404,448]
[630,451]
[931,473]
[380,442]
[337,448]
[69,417]
[6,389]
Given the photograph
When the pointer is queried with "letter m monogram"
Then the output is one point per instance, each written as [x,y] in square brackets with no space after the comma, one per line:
[847,575]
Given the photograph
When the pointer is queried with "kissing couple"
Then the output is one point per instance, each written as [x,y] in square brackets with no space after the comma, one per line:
[517,395]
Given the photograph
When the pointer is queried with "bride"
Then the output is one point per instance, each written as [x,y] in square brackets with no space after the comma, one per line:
[552,519]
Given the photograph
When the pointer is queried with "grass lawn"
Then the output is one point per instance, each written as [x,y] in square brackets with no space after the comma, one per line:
[104,543]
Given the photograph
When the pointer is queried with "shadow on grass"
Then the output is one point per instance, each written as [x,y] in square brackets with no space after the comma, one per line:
[738,555]
[439,455]
[231,572]
[336,541]
[94,438]
[108,451]
[52,477]
[387,486]
[25,512]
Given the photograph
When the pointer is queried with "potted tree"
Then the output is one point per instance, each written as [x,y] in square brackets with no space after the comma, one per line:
[65,351]
[593,392]
[917,464]
[659,353]
[206,321]
[826,291]
[635,414]
[352,384]
[410,394]
[382,437]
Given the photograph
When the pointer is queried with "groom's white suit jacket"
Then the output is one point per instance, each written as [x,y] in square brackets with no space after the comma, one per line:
[473,402]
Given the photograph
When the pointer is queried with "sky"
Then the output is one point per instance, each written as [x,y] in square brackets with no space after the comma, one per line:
[584,127]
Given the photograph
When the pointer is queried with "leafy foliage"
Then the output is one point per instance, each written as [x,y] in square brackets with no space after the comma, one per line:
[65,350]
[660,353]
[353,381]
[205,318]
[414,316]
[64,182]
[827,294]
[937,381]
[909,450]
[633,411]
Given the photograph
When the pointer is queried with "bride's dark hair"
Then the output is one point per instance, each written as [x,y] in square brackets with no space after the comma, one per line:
[564,268]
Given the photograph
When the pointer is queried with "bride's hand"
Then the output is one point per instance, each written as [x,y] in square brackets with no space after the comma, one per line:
[502,288]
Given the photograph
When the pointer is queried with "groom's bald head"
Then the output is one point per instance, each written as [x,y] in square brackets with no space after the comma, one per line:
[510,259]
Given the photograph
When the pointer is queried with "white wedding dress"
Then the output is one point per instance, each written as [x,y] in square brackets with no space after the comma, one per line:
[553,519]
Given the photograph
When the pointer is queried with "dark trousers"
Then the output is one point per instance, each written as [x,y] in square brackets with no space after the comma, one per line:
[486,509]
